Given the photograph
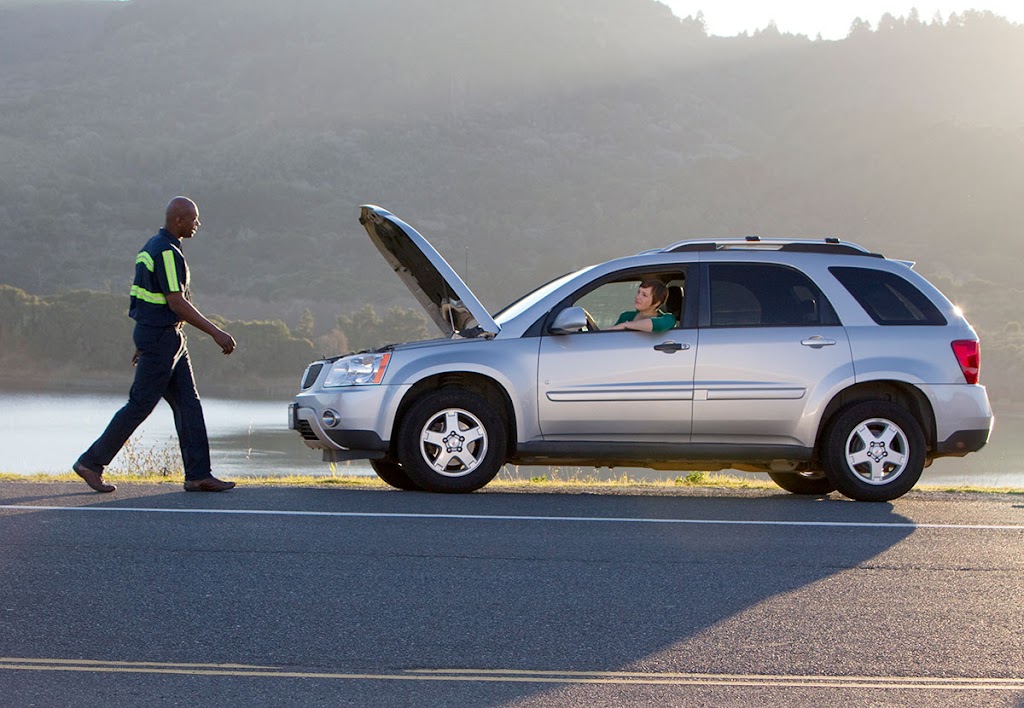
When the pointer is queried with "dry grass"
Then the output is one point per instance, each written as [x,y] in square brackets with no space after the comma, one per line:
[163,464]
[555,481]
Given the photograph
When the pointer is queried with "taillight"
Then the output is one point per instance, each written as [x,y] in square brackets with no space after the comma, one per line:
[968,354]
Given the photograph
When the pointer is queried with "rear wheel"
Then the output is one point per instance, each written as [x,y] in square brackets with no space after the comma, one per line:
[452,441]
[874,451]
[815,483]
[393,474]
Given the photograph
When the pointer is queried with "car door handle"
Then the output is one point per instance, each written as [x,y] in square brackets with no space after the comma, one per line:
[671,347]
[817,342]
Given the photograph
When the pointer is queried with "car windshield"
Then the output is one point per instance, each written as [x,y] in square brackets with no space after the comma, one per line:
[520,306]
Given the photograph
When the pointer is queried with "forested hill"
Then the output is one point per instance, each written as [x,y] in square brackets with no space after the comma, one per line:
[523,137]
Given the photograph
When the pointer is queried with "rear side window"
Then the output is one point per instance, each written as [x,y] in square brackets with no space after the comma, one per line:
[888,298]
[765,295]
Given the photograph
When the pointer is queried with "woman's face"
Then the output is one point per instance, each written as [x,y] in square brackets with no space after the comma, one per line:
[644,300]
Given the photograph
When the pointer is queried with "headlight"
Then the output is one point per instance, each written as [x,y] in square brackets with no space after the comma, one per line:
[358,370]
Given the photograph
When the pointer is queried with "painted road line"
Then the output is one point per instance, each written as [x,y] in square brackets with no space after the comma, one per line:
[160,664]
[741,677]
[501,517]
[525,676]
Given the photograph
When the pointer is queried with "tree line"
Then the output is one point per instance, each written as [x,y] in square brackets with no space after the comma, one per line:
[81,339]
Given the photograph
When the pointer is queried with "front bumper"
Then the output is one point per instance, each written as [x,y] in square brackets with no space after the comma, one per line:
[337,445]
[353,423]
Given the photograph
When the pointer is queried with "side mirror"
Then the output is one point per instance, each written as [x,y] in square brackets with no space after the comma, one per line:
[569,321]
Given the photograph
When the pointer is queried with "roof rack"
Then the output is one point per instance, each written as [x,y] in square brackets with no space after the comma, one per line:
[825,245]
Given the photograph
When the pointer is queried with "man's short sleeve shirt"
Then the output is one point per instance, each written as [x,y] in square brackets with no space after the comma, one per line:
[160,269]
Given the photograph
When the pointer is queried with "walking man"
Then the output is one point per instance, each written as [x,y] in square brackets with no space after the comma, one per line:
[161,304]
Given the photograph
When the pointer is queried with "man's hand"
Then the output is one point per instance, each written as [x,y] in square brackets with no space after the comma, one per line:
[225,341]
[135,357]
[187,312]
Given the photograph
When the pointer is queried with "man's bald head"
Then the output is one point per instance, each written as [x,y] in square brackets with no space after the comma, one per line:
[181,217]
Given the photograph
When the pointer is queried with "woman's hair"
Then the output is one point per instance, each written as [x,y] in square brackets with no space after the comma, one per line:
[659,293]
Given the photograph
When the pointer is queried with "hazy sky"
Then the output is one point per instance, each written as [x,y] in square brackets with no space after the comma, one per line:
[831,18]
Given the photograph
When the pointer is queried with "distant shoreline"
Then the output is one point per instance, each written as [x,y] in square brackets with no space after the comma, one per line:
[66,379]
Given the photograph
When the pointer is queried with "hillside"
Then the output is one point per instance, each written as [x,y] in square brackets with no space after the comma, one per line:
[523,138]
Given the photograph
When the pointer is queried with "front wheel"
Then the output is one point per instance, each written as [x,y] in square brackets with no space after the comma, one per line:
[452,441]
[394,475]
[814,483]
[874,451]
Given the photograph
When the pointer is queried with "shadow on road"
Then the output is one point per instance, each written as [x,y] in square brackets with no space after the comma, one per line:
[389,593]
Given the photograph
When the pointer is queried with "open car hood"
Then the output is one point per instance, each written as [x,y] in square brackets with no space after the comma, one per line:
[448,301]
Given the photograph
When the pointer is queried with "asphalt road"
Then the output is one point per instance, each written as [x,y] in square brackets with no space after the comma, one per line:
[309,597]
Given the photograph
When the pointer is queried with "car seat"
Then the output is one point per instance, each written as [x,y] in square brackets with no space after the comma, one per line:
[674,303]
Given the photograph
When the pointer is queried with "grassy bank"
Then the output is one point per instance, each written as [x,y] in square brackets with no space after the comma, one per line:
[505,483]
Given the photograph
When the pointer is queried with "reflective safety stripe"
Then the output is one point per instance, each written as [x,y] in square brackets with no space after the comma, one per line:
[145,259]
[172,272]
[146,296]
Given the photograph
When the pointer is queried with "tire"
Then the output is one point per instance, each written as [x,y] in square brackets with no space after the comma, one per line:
[874,451]
[393,474]
[452,441]
[814,483]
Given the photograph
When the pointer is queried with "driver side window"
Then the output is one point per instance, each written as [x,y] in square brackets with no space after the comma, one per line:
[607,302]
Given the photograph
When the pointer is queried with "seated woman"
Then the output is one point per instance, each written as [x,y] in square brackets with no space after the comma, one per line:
[650,296]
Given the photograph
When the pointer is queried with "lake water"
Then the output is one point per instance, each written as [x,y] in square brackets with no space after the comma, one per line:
[46,433]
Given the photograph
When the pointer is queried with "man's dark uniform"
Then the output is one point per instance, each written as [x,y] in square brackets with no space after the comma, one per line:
[164,369]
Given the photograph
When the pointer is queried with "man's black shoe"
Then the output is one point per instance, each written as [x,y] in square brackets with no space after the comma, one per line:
[93,478]
[210,484]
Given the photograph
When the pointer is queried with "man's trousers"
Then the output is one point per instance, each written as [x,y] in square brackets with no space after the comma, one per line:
[164,370]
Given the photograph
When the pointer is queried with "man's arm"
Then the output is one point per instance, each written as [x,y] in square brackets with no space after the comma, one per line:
[188,312]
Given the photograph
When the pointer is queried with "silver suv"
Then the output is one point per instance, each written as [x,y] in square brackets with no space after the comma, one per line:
[825,365]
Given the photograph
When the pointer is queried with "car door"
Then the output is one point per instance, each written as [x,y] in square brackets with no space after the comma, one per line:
[770,344]
[616,386]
